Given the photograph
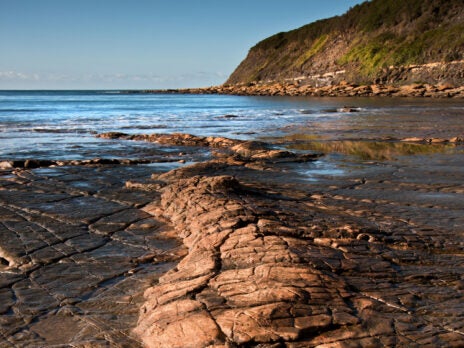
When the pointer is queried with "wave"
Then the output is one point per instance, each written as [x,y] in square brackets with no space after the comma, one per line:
[25,110]
[156,126]
[60,130]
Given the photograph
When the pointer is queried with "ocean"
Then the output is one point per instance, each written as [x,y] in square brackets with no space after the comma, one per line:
[63,124]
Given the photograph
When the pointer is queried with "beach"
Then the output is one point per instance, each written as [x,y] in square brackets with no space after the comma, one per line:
[341,229]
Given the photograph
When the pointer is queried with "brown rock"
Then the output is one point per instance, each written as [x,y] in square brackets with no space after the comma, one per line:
[259,277]
[112,135]
[6,164]
[179,324]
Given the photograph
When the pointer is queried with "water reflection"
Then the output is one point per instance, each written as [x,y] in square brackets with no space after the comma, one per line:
[372,150]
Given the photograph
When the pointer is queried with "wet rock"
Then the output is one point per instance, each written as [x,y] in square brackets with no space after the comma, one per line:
[112,135]
[6,164]
[146,186]
[348,109]
[371,258]
[231,150]
[262,269]
[248,149]
[228,116]
[73,267]
[36,163]
[180,139]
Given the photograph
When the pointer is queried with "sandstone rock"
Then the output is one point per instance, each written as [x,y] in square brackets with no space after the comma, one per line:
[389,87]
[444,86]
[179,324]
[263,279]
[6,165]
[348,109]
[456,140]
[437,140]
[112,135]
[266,269]
[73,265]
[413,139]
[268,261]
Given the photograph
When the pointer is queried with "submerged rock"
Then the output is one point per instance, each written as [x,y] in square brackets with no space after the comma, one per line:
[240,151]
[349,109]
[228,116]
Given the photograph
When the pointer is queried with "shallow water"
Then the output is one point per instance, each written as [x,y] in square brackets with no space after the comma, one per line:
[62,124]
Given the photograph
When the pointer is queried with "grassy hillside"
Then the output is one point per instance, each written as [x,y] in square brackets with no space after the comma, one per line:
[369,37]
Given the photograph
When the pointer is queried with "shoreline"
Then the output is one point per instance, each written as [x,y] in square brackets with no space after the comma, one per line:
[240,249]
[417,90]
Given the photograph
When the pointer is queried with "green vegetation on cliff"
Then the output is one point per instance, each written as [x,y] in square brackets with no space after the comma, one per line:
[367,39]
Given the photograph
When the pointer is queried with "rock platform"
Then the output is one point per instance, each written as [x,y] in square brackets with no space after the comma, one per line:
[77,251]
[344,89]
[243,250]
[351,263]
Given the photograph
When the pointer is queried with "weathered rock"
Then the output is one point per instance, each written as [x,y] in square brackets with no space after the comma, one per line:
[232,150]
[453,140]
[370,258]
[391,88]
[76,255]
[35,163]
[113,135]
[320,272]
[245,278]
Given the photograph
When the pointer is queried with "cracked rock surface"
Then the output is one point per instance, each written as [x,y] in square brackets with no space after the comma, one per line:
[244,250]
[76,252]
[343,262]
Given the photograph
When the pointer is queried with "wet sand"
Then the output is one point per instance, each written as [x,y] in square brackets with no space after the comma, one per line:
[259,253]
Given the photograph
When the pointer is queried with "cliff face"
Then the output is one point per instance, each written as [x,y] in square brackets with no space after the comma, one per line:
[365,45]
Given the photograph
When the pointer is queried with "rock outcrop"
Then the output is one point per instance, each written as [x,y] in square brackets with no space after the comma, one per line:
[268,266]
[255,253]
[342,89]
[76,252]
[181,139]
[245,279]
[240,152]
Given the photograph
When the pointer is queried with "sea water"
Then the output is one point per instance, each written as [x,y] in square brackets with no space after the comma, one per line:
[63,124]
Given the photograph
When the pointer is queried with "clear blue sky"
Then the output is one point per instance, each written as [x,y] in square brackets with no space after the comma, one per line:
[94,44]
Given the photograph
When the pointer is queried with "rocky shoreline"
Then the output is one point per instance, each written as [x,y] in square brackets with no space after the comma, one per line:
[238,250]
[343,89]
[270,264]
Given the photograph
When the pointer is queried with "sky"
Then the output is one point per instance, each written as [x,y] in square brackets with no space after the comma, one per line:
[140,44]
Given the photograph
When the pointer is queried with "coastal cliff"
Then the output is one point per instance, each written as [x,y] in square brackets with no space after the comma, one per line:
[379,41]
